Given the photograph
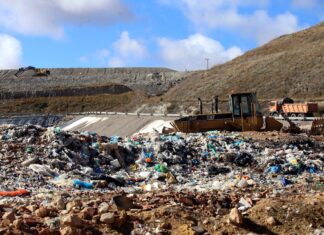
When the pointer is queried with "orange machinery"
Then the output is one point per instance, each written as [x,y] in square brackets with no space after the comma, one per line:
[291,109]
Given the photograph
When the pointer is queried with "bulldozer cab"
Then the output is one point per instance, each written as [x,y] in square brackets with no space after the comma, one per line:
[245,115]
[244,105]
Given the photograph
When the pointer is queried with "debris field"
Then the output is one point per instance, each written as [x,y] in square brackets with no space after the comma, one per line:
[60,182]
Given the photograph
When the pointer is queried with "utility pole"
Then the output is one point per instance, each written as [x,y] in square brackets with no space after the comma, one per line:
[207,63]
[207,66]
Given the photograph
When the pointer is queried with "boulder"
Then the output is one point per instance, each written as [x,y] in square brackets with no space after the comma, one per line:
[9,216]
[72,221]
[107,218]
[236,217]
[103,208]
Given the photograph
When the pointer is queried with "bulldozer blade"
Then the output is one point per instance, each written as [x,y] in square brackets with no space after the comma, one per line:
[293,128]
[272,124]
[317,127]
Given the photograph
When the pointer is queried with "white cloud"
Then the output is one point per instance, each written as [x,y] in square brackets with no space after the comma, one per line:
[127,51]
[39,17]
[126,46]
[264,28]
[228,15]
[190,53]
[11,52]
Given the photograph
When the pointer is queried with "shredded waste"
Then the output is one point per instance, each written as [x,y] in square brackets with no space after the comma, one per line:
[47,169]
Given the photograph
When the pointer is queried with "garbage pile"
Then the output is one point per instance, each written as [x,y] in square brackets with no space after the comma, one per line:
[36,159]
[59,182]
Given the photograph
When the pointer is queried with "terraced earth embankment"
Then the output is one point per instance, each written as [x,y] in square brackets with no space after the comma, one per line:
[150,81]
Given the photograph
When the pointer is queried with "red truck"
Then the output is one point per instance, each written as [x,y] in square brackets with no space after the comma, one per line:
[288,107]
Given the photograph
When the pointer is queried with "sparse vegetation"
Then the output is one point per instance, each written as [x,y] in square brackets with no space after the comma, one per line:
[290,66]
[103,102]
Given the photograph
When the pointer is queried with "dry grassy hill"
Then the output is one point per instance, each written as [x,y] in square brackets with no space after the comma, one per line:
[291,65]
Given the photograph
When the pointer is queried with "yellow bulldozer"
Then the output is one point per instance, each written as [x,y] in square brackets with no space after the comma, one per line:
[37,71]
[244,115]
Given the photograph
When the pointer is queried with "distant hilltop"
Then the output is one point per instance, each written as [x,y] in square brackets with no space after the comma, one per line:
[289,66]
[33,82]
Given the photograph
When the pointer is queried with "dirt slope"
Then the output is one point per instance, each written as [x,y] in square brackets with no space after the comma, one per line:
[152,81]
[291,65]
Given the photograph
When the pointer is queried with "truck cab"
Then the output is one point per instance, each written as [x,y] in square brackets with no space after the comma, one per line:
[274,108]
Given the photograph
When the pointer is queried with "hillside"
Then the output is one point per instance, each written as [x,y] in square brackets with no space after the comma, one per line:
[291,65]
[82,89]
[152,81]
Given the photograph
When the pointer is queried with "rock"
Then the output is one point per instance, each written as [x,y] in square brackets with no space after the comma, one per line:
[87,213]
[5,223]
[73,204]
[92,203]
[72,221]
[9,216]
[271,221]
[319,231]
[31,221]
[107,218]
[17,223]
[27,216]
[69,231]
[198,230]
[123,203]
[236,217]
[32,208]
[121,219]
[69,206]
[52,223]
[187,201]
[101,184]
[206,221]
[59,203]
[95,219]
[191,218]
[166,226]
[42,212]
[103,208]
[45,231]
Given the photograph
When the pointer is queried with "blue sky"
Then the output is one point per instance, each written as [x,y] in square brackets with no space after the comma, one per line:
[178,34]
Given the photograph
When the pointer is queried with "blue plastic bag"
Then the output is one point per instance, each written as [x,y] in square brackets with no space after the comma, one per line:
[82,184]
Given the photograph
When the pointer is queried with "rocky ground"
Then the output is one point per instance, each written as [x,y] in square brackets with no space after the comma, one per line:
[56,182]
[163,213]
